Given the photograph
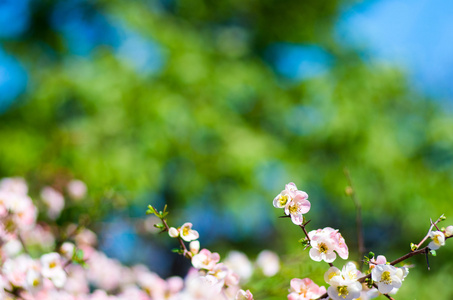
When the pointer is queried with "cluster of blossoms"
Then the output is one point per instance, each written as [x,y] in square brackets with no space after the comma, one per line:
[214,279]
[35,265]
[294,202]
[348,283]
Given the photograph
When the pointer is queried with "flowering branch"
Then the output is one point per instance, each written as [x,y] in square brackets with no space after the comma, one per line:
[327,243]
[165,228]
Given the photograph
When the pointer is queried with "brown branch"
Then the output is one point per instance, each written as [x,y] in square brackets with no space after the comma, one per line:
[305,231]
[186,253]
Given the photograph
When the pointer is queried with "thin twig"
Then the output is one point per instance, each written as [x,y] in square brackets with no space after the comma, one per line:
[21,240]
[430,228]
[186,252]
[358,208]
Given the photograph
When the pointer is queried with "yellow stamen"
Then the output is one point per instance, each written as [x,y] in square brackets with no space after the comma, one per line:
[283,200]
[343,291]
[386,278]
[323,248]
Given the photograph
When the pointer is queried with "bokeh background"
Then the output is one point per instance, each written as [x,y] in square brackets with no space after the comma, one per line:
[213,106]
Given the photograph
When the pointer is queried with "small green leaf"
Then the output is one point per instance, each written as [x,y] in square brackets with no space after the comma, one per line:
[160,226]
[413,247]
[433,252]
[370,255]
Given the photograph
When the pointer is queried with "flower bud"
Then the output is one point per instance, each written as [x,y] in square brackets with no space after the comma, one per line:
[449,231]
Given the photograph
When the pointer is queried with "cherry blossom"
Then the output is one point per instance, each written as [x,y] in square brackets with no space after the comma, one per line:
[185,232]
[324,242]
[268,262]
[438,240]
[305,289]
[449,231]
[244,295]
[387,277]
[205,259]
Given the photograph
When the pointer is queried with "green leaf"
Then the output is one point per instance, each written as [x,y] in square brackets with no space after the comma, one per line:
[433,252]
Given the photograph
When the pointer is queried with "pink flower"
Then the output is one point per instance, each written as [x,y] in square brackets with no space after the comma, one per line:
[324,242]
[205,259]
[305,289]
[244,295]
[298,207]
[76,189]
[268,262]
[54,201]
[185,232]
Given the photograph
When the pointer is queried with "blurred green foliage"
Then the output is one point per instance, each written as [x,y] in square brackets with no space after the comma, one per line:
[217,127]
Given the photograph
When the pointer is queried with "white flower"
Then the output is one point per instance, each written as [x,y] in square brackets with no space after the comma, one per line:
[438,240]
[187,233]
[51,268]
[67,249]
[240,264]
[269,262]
[173,232]
[387,277]
[33,278]
[194,247]
[244,295]
[341,289]
[205,259]
[322,249]
[449,231]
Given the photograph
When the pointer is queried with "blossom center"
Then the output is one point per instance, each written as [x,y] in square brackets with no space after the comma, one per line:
[293,209]
[283,200]
[343,291]
[436,239]
[52,265]
[185,231]
[386,278]
[323,248]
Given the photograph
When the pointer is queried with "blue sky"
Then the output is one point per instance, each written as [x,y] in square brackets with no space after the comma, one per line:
[416,35]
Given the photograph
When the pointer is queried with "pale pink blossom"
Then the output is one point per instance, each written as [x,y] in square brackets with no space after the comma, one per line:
[15,270]
[54,201]
[298,207]
[268,262]
[449,231]
[187,233]
[67,249]
[240,264]
[16,185]
[305,289]
[244,295]
[205,259]
[51,268]
[194,247]
[77,189]
[437,240]
[324,242]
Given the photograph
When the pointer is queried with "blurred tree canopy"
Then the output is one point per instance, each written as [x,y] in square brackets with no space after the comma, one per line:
[188,103]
